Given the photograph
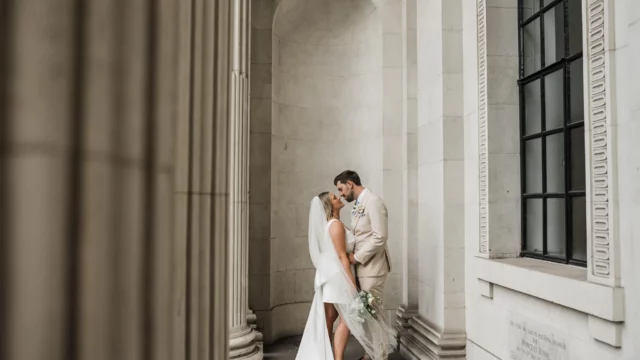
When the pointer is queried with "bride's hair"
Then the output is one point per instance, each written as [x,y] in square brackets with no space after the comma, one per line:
[325,199]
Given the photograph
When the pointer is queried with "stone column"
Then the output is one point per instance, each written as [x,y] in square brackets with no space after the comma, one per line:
[438,330]
[409,305]
[98,215]
[242,340]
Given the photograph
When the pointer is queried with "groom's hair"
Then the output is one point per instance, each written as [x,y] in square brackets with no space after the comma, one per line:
[347,175]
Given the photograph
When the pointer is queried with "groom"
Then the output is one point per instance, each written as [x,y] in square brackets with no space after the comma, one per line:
[369,222]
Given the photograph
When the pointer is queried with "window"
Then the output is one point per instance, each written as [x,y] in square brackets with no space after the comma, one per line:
[552,130]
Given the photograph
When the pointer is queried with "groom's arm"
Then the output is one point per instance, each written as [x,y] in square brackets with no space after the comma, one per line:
[379,228]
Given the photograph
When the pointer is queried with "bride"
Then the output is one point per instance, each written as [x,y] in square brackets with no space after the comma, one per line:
[335,291]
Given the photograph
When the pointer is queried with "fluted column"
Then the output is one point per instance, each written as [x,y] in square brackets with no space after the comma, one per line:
[100,221]
[242,340]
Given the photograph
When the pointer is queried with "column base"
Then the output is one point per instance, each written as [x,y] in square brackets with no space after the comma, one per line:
[424,342]
[402,326]
[242,344]
[252,321]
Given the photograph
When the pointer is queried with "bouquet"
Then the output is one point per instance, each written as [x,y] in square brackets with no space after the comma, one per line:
[364,304]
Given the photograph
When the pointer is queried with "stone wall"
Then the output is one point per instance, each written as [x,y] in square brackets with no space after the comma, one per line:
[327,117]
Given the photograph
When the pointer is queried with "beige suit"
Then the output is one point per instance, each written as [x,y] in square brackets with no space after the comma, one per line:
[370,229]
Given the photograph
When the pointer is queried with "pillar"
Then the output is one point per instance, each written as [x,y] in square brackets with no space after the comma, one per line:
[242,341]
[438,330]
[409,305]
[103,201]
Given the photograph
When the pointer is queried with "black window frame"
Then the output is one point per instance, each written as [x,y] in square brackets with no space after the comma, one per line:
[539,75]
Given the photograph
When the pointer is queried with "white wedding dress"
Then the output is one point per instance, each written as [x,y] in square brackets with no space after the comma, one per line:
[332,285]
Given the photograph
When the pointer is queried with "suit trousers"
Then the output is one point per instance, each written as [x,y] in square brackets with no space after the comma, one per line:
[375,285]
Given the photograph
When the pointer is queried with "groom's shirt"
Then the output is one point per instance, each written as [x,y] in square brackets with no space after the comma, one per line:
[361,197]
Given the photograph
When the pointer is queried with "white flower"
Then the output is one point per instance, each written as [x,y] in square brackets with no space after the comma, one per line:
[371,300]
[358,211]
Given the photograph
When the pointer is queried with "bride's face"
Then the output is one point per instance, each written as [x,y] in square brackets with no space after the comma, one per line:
[336,202]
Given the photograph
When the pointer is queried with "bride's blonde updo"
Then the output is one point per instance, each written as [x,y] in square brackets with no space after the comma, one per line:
[325,199]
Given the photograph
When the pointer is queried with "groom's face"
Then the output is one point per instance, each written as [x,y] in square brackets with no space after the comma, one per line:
[346,190]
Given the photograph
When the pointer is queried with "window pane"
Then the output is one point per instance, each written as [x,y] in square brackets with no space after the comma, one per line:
[575,26]
[579,228]
[533,225]
[554,100]
[533,159]
[529,7]
[576,91]
[554,34]
[577,159]
[533,109]
[555,163]
[556,233]
[532,59]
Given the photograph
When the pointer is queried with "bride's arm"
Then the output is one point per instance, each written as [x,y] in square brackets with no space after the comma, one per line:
[337,236]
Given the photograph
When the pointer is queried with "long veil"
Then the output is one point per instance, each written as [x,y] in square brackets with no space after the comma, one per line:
[375,336]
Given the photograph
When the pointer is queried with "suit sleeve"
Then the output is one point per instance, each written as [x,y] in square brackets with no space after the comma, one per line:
[379,227]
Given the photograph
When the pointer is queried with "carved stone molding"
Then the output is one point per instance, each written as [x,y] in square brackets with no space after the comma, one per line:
[603,267]
[483,133]
[404,314]
[424,342]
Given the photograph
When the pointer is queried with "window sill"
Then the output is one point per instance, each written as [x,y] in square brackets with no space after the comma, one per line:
[557,283]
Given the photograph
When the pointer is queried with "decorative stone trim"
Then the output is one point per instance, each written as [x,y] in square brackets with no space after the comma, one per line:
[252,321]
[483,132]
[603,267]
[554,283]
[558,284]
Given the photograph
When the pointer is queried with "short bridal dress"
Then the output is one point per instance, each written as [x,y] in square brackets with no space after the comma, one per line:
[333,288]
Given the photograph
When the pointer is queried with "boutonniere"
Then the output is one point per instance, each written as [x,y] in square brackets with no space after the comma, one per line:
[358,211]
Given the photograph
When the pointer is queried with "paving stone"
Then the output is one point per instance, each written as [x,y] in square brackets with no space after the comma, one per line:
[287,349]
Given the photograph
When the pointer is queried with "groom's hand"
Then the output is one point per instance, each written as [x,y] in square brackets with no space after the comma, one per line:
[352,259]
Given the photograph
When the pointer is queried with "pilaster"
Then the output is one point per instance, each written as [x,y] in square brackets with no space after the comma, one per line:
[438,331]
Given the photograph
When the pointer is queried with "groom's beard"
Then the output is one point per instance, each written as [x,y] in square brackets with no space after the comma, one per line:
[350,197]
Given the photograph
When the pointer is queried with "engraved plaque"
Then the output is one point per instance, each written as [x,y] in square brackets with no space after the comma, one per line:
[530,340]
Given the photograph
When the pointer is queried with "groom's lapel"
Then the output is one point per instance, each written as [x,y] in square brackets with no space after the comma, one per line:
[354,221]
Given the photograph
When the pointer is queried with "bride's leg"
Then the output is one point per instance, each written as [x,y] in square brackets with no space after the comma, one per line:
[331,314]
[340,340]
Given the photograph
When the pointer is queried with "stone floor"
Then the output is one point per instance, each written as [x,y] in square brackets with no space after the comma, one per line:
[286,350]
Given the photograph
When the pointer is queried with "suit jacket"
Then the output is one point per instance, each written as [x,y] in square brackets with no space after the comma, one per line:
[370,228]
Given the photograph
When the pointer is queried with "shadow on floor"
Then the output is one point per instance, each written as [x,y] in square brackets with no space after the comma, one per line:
[286,349]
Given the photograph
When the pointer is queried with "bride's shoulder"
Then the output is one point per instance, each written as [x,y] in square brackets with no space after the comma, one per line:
[336,225]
